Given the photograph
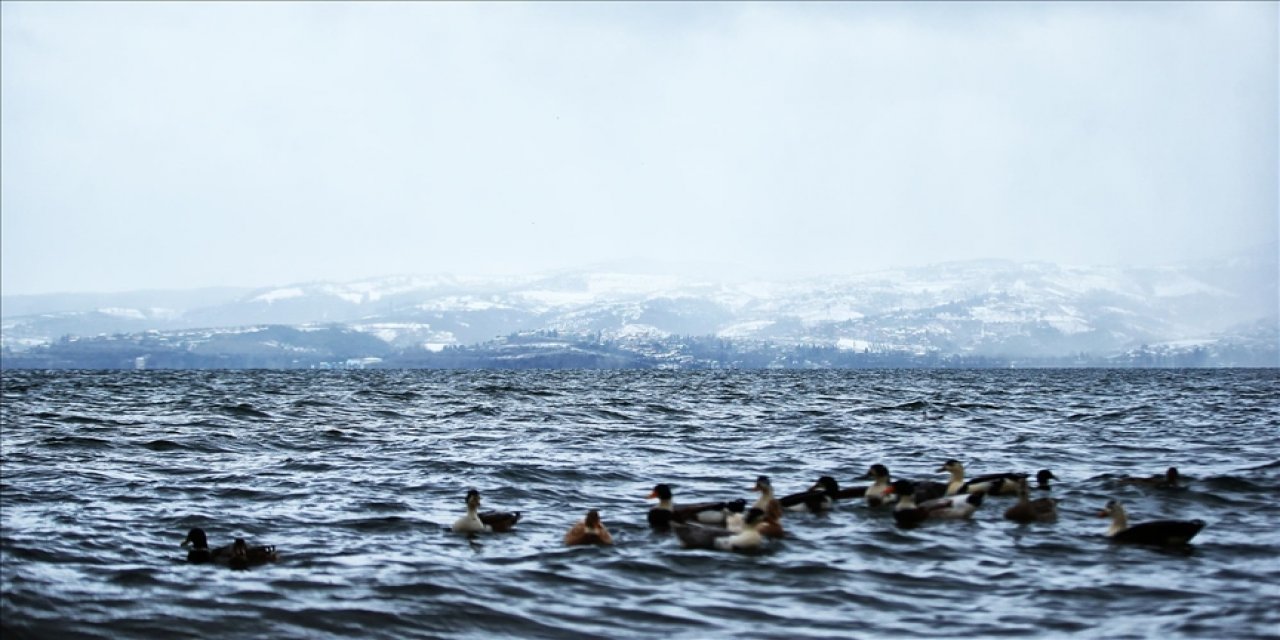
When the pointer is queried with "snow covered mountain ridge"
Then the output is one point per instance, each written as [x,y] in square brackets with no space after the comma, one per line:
[984,308]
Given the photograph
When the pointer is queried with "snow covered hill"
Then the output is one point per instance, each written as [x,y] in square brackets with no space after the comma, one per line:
[984,308]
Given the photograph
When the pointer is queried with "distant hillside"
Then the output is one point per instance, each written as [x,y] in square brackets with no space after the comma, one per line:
[1218,314]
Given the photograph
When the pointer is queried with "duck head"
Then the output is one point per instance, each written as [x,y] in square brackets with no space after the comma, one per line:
[473,499]
[592,520]
[1171,476]
[1119,520]
[877,471]
[827,485]
[1043,477]
[951,466]
[904,488]
[1111,510]
[661,492]
[763,485]
[196,538]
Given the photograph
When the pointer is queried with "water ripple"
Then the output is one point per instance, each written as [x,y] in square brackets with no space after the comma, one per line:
[356,476]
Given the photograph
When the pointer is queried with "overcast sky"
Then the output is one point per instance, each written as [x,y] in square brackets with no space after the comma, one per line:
[176,145]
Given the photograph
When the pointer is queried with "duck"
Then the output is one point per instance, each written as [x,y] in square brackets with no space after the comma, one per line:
[1028,510]
[850,493]
[929,490]
[907,513]
[925,490]
[878,493]
[771,525]
[588,530]
[819,498]
[243,556]
[954,507]
[489,521]
[240,551]
[994,484]
[1162,533]
[695,536]
[1167,480]
[771,506]
[736,515]
[997,484]
[666,512]
[200,551]
[731,507]
[1043,477]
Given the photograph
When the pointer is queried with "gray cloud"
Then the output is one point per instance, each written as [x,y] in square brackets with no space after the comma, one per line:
[176,145]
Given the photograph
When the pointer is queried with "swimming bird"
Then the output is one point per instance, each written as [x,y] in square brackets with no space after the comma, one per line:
[736,516]
[661,515]
[1167,480]
[243,556]
[878,493]
[1007,483]
[819,498]
[1163,533]
[907,513]
[666,512]
[1028,510]
[489,521]
[954,507]
[996,484]
[730,507]
[771,525]
[926,490]
[770,505]
[589,530]
[850,493]
[201,553]
[929,490]
[695,536]
[991,484]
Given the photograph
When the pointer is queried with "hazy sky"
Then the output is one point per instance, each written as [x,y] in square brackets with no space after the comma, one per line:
[184,144]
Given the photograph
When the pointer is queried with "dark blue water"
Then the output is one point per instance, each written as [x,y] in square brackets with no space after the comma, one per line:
[354,474]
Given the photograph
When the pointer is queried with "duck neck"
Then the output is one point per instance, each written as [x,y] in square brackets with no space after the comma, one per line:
[906,501]
[1119,521]
[957,481]
[762,503]
[664,503]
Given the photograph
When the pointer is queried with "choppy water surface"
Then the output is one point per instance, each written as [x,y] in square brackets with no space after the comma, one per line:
[354,474]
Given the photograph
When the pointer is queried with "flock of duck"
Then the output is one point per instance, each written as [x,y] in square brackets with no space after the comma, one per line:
[733,526]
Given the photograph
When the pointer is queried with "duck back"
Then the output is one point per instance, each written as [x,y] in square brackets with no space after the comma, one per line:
[1163,533]
[499,521]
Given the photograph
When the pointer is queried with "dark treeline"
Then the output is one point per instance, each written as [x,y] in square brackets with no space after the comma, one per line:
[284,347]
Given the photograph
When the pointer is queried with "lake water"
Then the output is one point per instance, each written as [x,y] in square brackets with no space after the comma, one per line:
[354,476]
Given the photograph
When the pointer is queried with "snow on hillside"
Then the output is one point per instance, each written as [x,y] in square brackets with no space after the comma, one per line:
[971,307]
[276,295]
